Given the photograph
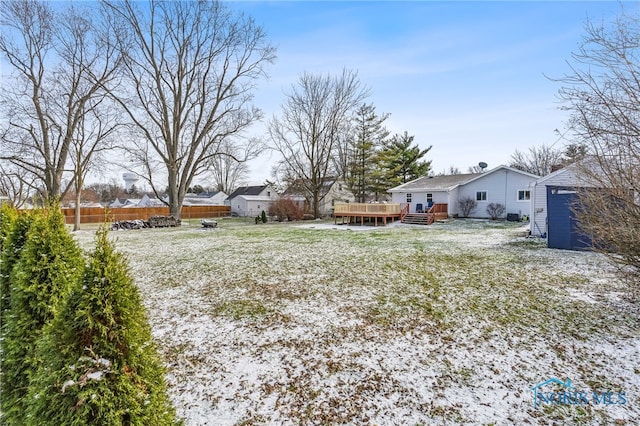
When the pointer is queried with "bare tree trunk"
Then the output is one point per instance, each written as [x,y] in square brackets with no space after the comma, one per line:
[77,209]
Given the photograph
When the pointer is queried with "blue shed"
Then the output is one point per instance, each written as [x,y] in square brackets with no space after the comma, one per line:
[562,224]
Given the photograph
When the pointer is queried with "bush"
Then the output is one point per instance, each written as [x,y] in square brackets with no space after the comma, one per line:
[49,264]
[100,366]
[495,210]
[467,206]
[264,216]
[285,208]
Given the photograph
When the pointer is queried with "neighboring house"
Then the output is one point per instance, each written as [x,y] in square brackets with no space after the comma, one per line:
[117,203]
[131,202]
[216,198]
[551,214]
[336,192]
[145,201]
[251,200]
[503,185]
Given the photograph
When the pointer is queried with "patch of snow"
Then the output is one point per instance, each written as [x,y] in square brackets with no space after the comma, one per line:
[332,328]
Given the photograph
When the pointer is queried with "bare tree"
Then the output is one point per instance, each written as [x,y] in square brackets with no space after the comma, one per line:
[537,160]
[602,92]
[229,170]
[314,117]
[16,183]
[60,61]
[452,170]
[94,135]
[191,67]
[475,169]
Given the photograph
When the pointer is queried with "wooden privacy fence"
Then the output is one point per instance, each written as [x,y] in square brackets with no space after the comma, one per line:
[98,215]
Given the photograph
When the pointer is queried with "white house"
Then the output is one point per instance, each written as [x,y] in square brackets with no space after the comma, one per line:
[216,198]
[504,185]
[336,192]
[251,200]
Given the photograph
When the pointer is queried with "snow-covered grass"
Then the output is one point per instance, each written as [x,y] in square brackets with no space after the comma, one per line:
[315,323]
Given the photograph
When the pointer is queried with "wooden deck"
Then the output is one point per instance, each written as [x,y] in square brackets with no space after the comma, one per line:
[357,213]
[369,211]
[435,212]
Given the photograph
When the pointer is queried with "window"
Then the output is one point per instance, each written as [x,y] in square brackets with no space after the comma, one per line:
[340,187]
[524,195]
[408,197]
[429,198]
[268,193]
[481,196]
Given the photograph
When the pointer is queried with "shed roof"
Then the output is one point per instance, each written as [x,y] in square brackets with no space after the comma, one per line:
[247,190]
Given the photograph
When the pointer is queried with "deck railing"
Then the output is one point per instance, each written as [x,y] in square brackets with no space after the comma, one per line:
[404,211]
[364,208]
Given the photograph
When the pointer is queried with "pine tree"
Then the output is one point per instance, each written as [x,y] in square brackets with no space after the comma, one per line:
[369,135]
[401,161]
[50,263]
[100,366]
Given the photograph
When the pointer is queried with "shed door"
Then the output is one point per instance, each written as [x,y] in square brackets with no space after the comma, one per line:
[563,232]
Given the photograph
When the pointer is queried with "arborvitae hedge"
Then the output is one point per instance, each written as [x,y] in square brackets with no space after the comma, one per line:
[13,229]
[100,366]
[7,217]
[49,264]
[8,250]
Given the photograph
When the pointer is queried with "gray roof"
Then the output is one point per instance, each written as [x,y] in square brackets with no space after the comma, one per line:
[247,190]
[436,183]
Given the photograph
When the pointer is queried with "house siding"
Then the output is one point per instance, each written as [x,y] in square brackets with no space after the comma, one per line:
[452,199]
[243,205]
[502,187]
[419,197]
[338,193]
[501,184]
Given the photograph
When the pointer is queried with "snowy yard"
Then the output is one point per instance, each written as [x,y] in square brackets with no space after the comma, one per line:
[319,324]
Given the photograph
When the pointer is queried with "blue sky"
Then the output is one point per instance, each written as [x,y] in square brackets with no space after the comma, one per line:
[467,78]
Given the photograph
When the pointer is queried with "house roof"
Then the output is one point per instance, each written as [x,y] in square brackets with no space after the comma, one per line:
[255,197]
[247,190]
[435,183]
[449,182]
[208,194]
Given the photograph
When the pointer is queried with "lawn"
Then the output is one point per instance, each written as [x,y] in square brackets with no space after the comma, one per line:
[453,323]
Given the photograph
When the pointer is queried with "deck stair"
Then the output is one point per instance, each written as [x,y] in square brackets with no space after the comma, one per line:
[416,219]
